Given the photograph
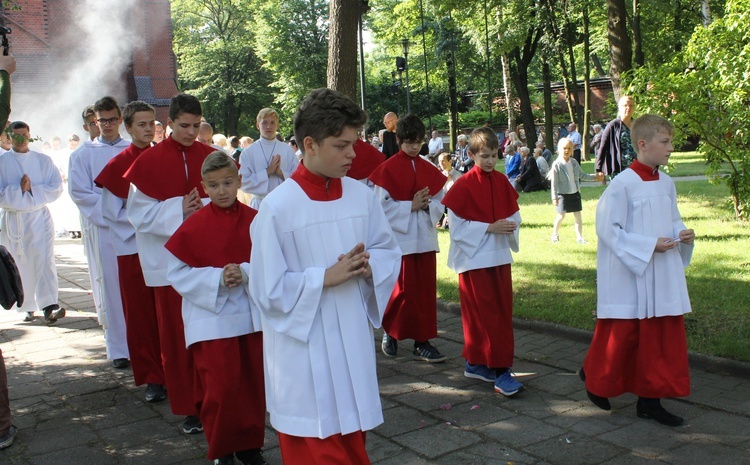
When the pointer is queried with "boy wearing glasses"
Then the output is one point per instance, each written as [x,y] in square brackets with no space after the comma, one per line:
[85,166]
[410,189]
[137,298]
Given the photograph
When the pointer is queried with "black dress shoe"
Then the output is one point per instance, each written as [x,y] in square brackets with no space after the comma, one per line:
[658,413]
[120,363]
[601,402]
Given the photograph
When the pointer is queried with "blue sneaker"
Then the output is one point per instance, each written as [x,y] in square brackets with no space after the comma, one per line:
[480,372]
[506,385]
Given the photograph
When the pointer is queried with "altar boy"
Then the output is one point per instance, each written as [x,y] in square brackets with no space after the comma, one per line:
[322,273]
[639,343]
[209,267]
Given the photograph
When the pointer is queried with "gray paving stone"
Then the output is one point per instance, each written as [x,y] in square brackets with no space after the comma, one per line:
[437,440]
[92,454]
[573,450]
[519,431]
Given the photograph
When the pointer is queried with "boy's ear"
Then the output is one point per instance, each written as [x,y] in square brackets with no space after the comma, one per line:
[471,154]
[308,144]
[203,185]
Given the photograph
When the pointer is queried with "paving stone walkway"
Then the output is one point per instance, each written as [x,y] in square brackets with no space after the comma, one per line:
[72,407]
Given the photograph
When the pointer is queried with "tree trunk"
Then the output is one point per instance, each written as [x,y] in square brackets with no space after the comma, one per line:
[620,48]
[520,75]
[586,84]
[706,12]
[342,47]
[548,126]
[572,87]
[508,93]
[453,97]
[638,58]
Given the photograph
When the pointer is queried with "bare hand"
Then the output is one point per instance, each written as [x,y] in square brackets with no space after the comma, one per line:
[554,202]
[191,203]
[687,236]
[274,166]
[354,263]
[600,176]
[232,275]
[502,227]
[25,183]
[665,243]
[421,200]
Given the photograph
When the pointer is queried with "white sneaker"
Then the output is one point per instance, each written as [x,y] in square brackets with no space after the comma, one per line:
[555,238]
[582,241]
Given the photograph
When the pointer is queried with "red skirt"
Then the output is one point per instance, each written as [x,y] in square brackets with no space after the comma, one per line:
[645,357]
[487,316]
[138,303]
[338,449]
[412,309]
[177,361]
[233,409]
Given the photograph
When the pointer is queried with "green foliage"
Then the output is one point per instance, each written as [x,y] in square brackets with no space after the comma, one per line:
[705,91]
[292,39]
[216,60]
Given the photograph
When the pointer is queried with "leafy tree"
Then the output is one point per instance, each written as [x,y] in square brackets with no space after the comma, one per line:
[216,60]
[292,39]
[705,91]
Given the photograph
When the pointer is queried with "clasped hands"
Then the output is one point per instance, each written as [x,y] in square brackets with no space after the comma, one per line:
[352,264]
[686,236]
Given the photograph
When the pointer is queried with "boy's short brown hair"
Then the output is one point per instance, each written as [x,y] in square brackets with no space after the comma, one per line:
[129,111]
[184,103]
[325,113]
[107,104]
[265,112]
[410,128]
[216,161]
[88,111]
[646,127]
[483,137]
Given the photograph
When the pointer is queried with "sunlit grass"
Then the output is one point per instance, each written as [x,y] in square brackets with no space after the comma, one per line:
[557,282]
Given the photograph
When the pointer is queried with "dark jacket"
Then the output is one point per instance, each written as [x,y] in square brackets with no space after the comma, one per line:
[529,178]
[608,155]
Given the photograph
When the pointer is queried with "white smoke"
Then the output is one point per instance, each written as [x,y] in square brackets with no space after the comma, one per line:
[102,41]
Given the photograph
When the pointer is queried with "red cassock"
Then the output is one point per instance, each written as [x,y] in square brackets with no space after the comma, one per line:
[348,449]
[160,173]
[412,309]
[646,357]
[138,301]
[486,293]
[368,158]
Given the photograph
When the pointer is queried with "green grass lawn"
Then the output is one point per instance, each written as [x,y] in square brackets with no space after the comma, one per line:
[557,282]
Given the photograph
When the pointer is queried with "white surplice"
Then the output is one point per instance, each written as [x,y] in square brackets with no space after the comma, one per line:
[254,161]
[473,248]
[633,281]
[210,310]
[318,343]
[26,227]
[85,166]
[414,230]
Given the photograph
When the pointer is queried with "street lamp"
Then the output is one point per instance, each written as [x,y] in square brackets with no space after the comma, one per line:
[405,43]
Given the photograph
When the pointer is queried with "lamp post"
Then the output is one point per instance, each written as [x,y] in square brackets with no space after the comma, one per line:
[405,43]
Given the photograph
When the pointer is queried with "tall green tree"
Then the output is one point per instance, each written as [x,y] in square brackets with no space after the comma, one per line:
[213,42]
[705,91]
[291,37]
